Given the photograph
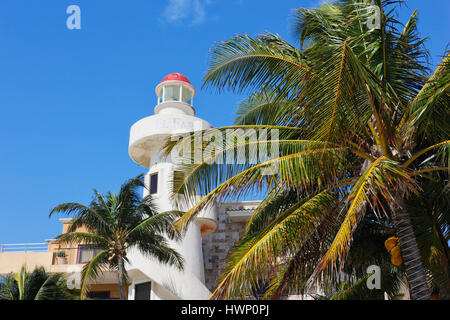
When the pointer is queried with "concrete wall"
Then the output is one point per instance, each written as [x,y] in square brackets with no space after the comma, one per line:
[217,245]
[183,284]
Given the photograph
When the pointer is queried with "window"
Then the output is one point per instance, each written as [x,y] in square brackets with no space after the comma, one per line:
[154,183]
[172,93]
[142,291]
[186,96]
[86,253]
[160,95]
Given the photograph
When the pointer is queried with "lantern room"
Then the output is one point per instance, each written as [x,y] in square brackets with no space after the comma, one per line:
[175,89]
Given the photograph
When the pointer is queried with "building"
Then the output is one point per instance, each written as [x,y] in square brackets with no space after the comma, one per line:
[65,258]
[206,242]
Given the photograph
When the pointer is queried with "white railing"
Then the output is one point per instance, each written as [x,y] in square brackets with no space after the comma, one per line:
[33,247]
[237,215]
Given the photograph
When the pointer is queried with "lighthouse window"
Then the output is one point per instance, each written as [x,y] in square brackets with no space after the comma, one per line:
[160,95]
[172,93]
[154,183]
[186,95]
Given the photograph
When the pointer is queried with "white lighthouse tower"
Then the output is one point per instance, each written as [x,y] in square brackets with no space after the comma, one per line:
[174,113]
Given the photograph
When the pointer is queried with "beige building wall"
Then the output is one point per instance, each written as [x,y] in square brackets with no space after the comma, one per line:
[13,261]
[70,249]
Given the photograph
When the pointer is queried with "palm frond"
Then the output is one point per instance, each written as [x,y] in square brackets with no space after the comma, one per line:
[377,179]
[92,269]
[83,237]
[244,62]
[258,251]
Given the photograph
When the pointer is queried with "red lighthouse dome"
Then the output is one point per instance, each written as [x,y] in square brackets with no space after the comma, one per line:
[176,77]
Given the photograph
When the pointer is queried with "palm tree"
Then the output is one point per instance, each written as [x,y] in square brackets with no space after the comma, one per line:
[116,222]
[430,217]
[361,125]
[35,285]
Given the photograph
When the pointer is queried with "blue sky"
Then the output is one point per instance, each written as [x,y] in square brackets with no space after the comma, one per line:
[69,97]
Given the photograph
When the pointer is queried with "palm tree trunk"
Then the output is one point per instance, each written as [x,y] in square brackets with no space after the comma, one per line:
[415,272]
[121,278]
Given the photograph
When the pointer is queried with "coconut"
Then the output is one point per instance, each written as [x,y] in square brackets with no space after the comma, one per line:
[391,243]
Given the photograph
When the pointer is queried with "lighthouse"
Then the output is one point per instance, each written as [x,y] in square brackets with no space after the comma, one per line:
[174,113]
[208,238]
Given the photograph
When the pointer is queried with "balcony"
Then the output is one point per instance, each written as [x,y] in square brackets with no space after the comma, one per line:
[13,256]
[47,254]
[53,258]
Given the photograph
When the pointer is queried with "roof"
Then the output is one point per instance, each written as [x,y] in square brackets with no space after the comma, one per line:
[176,77]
